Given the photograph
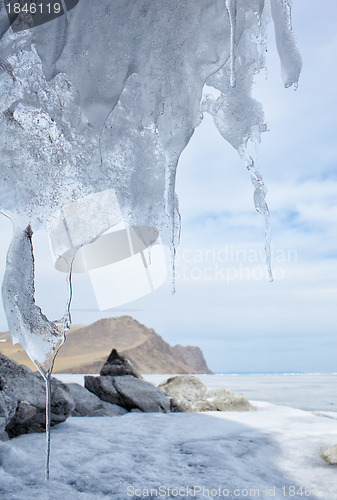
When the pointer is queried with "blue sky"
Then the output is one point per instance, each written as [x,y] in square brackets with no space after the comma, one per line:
[223,301]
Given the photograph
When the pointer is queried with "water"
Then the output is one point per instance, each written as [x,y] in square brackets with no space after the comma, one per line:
[305,391]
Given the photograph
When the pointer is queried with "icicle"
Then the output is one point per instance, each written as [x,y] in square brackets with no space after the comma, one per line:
[261,206]
[64,324]
[231,8]
[47,380]
[40,337]
[169,196]
[291,62]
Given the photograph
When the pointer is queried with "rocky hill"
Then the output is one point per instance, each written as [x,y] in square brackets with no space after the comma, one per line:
[87,348]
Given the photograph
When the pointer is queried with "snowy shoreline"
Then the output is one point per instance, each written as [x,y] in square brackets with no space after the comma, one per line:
[272,450]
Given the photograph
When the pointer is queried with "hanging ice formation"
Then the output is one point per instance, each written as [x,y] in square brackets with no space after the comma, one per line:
[104,99]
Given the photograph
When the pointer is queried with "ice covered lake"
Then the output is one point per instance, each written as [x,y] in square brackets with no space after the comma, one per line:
[305,391]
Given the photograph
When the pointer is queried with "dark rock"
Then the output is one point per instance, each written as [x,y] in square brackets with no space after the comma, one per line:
[117,365]
[29,391]
[88,404]
[128,392]
[137,393]
[104,389]
[8,404]
[189,394]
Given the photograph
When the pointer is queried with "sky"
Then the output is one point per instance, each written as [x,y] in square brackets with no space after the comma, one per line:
[224,302]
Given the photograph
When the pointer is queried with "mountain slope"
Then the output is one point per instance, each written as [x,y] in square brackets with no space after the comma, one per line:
[87,348]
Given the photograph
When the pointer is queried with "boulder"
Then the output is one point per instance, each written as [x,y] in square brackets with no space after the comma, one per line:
[139,394]
[104,389]
[29,391]
[88,404]
[225,400]
[118,365]
[189,394]
[129,392]
[330,455]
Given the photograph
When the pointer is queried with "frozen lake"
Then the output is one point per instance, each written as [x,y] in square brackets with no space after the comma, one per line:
[308,391]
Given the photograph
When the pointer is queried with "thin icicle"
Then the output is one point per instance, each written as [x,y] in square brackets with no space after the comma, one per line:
[261,206]
[64,325]
[231,8]
[47,380]
[169,196]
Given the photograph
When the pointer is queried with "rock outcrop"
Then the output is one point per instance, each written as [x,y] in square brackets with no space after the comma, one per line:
[87,348]
[189,394]
[22,401]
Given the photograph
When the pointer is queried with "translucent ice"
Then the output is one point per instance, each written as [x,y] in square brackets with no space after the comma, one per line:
[103,100]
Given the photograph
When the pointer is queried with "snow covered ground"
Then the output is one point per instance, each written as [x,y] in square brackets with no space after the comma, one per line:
[274,452]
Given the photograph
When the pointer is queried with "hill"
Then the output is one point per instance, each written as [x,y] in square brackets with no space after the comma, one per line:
[87,348]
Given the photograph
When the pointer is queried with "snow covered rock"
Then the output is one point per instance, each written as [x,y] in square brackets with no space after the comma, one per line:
[226,400]
[8,404]
[189,394]
[29,390]
[129,392]
[88,404]
[330,455]
[117,365]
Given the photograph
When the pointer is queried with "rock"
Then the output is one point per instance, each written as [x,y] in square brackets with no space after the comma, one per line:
[330,455]
[128,392]
[225,400]
[104,389]
[29,391]
[88,404]
[189,394]
[117,365]
[8,405]
[139,394]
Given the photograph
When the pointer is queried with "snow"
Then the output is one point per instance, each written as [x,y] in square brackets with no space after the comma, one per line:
[112,457]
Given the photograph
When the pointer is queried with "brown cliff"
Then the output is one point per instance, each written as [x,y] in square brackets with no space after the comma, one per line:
[87,348]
